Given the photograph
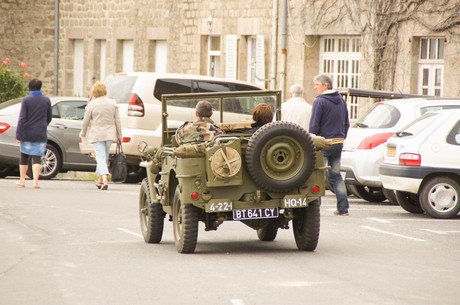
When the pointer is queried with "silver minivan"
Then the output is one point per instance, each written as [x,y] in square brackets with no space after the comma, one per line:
[138,95]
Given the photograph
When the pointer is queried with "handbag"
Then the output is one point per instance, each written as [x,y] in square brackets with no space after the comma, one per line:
[118,167]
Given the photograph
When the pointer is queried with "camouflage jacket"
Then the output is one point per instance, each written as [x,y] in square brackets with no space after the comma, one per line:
[199,131]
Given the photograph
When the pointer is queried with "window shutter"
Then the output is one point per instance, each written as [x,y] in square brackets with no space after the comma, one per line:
[231,55]
[260,61]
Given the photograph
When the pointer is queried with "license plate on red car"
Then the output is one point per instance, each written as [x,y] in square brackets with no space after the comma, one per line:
[259,213]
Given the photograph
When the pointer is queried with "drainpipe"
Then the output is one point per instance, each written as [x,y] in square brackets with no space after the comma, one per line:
[56,46]
[283,46]
[274,45]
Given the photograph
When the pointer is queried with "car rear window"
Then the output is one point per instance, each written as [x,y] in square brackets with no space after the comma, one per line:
[381,115]
[419,124]
[171,86]
[120,87]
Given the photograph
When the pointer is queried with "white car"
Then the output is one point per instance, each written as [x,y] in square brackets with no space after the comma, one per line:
[364,146]
[138,96]
[422,164]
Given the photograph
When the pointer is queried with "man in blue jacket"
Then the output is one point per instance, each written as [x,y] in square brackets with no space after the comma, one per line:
[329,119]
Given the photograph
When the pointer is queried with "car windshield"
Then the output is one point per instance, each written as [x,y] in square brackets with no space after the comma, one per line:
[381,115]
[119,87]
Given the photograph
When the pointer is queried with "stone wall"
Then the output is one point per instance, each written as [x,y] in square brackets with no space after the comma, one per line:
[27,35]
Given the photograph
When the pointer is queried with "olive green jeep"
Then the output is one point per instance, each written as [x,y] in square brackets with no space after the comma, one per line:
[263,180]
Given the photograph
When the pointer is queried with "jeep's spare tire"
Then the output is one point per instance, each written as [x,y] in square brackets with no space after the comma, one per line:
[280,156]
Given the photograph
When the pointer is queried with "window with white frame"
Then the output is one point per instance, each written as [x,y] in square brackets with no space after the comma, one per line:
[128,56]
[158,56]
[340,57]
[103,59]
[214,56]
[431,66]
[256,60]
[78,67]
[100,55]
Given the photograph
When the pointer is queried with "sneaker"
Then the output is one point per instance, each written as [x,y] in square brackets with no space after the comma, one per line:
[339,213]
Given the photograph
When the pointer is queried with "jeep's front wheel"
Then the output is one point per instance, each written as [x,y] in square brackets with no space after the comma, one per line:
[306,225]
[280,156]
[185,224]
[151,216]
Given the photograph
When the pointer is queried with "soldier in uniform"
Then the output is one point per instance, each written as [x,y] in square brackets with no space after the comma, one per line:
[202,129]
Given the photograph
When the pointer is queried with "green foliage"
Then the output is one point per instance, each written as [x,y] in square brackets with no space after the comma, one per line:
[12,82]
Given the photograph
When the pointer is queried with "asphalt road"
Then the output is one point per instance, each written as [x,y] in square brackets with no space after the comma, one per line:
[71,244]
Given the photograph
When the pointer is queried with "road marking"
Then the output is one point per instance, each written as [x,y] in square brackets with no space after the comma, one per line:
[393,234]
[131,232]
[236,301]
[379,219]
[440,232]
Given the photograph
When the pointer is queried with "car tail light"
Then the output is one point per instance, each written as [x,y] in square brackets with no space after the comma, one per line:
[375,140]
[4,127]
[136,106]
[410,159]
[126,140]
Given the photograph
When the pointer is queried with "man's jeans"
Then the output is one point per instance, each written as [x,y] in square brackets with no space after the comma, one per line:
[102,149]
[333,155]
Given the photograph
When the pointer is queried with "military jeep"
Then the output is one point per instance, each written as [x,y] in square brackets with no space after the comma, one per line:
[263,180]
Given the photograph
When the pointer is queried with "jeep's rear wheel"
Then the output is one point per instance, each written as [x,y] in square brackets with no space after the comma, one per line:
[267,233]
[185,224]
[151,216]
[280,156]
[306,224]
[409,202]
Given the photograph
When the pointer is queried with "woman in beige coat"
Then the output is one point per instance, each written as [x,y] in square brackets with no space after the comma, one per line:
[101,127]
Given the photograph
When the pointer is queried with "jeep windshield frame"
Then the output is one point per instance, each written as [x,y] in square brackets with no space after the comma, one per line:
[220,97]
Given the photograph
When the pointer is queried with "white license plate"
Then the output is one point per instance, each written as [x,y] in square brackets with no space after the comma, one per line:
[255,213]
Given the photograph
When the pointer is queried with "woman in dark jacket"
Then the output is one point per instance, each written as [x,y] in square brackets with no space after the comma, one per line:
[31,133]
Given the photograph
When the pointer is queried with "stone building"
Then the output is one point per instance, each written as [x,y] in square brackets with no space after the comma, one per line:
[388,45]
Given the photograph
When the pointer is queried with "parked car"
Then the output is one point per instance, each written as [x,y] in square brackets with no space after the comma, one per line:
[364,146]
[421,162]
[138,96]
[62,151]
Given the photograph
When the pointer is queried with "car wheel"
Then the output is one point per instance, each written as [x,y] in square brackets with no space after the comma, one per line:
[151,216]
[51,164]
[135,174]
[280,156]
[185,224]
[390,195]
[371,194]
[439,197]
[5,170]
[306,225]
[267,233]
[409,202]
